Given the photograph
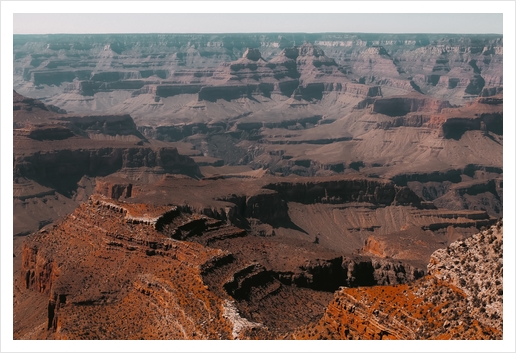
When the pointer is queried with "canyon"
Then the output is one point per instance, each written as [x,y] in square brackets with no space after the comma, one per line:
[175,274]
[258,186]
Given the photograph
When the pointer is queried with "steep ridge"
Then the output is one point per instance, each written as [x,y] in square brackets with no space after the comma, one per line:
[451,302]
[143,287]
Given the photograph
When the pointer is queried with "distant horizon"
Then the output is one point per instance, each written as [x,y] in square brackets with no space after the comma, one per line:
[255,33]
[259,23]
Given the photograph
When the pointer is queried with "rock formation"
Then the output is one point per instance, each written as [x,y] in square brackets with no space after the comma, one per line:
[252,282]
[460,298]
[393,106]
[450,65]
[57,157]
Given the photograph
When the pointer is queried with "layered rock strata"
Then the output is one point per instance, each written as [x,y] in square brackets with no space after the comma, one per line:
[57,158]
[450,65]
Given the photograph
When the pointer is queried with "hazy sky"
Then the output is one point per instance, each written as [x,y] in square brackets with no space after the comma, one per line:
[250,22]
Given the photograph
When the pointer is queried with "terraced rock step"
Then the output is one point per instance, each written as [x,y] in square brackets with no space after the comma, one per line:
[248,278]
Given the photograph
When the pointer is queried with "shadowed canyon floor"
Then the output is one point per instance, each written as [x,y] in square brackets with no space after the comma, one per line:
[325,186]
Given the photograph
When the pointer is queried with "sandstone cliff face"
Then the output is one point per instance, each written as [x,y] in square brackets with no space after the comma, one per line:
[113,125]
[469,194]
[113,190]
[330,274]
[453,122]
[341,191]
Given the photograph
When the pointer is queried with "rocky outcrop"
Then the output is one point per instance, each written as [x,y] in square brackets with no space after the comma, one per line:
[53,77]
[318,274]
[490,91]
[25,103]
[104,124]
[377,271]
[76,291]
[484,194]
[375,61]
[475,86]
[484,114]
[266,207]
[460,298]
[165,91]
[213,93]
[475,267]
[179,132]
[113,190]
[244,280]
[40,270]
[44,132]
[330,274]
[451,175]
[456,127]
[252,54]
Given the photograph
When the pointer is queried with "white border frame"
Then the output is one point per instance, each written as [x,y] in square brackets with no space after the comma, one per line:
[11,7]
